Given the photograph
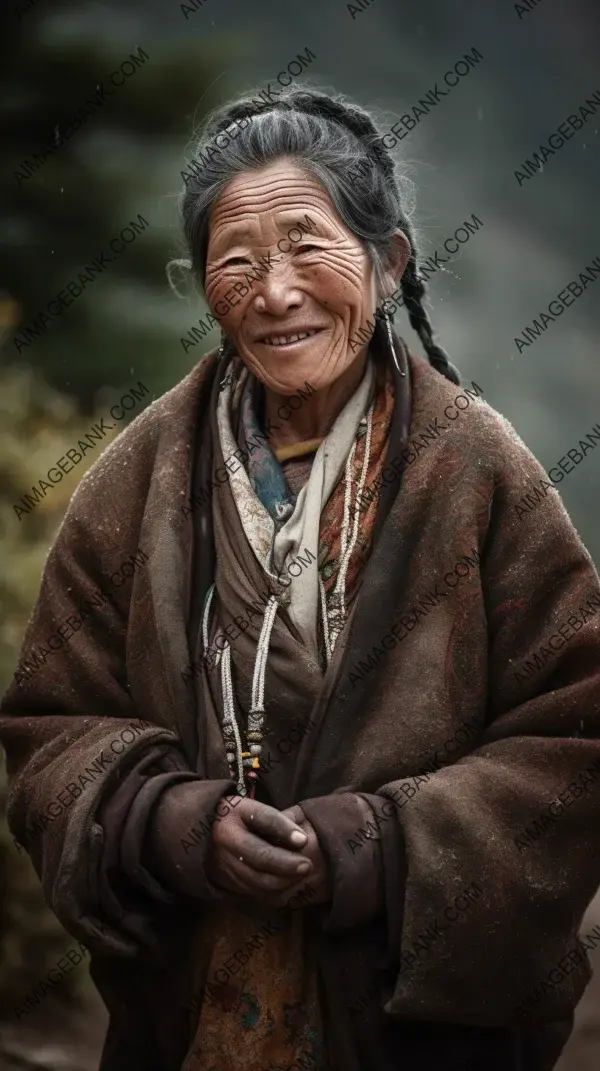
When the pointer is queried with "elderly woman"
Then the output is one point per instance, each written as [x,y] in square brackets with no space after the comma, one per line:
[314,777]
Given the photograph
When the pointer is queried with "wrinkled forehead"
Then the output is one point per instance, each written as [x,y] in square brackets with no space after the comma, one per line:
[276,196]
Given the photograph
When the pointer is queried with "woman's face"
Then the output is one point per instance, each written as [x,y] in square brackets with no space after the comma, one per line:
[315,277]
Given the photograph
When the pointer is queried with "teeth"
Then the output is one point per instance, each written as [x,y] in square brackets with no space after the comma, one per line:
[286,340]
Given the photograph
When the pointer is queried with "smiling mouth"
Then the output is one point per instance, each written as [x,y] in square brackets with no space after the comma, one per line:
[282,341]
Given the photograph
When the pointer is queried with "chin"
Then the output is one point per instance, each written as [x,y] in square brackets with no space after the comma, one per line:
[287,374]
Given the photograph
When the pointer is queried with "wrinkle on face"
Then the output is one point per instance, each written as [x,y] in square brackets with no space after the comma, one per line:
[326,280]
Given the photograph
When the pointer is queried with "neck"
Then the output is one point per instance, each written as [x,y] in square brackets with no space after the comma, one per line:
[318,412]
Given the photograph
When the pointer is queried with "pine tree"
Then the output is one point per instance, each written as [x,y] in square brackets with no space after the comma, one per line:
[61,210]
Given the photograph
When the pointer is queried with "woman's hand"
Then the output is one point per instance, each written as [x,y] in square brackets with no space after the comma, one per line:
[316,884]
[257,850]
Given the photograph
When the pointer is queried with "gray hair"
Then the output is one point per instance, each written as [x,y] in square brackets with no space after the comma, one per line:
[340,146]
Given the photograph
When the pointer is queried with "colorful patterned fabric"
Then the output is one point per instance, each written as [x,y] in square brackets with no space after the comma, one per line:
[264,470]
[330,531]
[268,480]
[266,1017]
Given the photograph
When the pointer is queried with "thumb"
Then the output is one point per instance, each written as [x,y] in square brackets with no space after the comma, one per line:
[296,814]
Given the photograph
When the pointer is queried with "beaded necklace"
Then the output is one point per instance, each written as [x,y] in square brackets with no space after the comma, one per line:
[244,763]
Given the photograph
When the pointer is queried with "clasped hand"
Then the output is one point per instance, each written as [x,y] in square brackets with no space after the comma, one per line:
[264,853]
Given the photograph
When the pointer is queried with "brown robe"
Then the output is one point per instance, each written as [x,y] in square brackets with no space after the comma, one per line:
[471,923]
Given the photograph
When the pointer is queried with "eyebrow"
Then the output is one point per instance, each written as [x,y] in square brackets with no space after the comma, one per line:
[238,231]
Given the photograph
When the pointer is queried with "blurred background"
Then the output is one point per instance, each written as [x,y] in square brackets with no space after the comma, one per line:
[123,158]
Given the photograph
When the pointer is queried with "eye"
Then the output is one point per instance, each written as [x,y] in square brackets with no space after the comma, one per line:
[235,260]
[306,248]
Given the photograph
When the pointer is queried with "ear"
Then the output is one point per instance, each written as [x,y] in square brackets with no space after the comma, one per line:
[398,259]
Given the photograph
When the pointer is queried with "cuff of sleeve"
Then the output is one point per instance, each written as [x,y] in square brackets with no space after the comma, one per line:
[163,830]
[357,876]
[134,834]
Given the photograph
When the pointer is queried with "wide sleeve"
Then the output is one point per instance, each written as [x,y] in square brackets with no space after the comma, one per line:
[491,861]
[502,850]
[80,754]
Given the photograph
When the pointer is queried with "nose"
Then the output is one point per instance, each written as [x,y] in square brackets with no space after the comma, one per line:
[277,292]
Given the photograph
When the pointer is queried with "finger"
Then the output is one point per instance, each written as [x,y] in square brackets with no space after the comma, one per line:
[276,826]
[296,814]
[265,857]
[272,824]
[256,881]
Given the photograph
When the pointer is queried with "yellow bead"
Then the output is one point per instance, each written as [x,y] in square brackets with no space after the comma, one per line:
[256,763]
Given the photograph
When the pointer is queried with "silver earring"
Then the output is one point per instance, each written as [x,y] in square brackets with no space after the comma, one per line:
[225,382]
[388,324]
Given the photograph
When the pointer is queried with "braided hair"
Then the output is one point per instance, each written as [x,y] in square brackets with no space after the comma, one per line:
[329,137]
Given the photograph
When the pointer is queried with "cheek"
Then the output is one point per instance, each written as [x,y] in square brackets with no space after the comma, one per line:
[343,273]
[341,281]
[229,298]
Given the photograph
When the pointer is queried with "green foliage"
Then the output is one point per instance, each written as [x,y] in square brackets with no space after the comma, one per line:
[37,425]
[124,159]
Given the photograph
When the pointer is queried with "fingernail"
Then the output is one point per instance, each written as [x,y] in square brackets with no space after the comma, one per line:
[303,866]
[298,837]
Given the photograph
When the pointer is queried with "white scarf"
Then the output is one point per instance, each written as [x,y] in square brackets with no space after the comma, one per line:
[274,550]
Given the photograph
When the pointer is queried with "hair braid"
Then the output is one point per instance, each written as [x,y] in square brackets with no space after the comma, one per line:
[414,291]
[352,118]
[242,109]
